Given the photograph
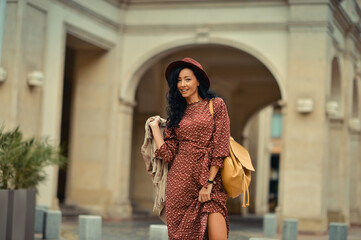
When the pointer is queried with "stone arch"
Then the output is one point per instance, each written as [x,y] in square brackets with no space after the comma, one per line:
[335,98]
[133,76]
[152,68]
[335,80]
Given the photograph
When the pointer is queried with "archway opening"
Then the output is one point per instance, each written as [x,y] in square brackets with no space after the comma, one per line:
[85,98]
[239,78]
[334,104]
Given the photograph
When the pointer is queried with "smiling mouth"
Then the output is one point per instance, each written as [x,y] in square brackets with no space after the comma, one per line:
[183,91]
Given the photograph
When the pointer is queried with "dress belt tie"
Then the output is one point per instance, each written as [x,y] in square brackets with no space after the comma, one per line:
[204,152]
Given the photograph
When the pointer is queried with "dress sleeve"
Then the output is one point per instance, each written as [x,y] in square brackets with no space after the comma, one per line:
[170,146]
[221,133]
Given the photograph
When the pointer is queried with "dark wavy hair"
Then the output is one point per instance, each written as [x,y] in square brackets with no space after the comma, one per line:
[176,102]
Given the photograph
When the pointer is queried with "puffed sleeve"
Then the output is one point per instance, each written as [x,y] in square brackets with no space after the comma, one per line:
[170,146]
[221,133]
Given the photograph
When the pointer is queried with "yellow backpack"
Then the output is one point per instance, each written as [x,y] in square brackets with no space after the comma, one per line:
[236,173]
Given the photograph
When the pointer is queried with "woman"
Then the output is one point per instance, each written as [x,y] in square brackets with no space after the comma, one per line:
[195,144]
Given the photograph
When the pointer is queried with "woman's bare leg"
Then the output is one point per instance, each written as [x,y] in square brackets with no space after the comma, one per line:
[217,228]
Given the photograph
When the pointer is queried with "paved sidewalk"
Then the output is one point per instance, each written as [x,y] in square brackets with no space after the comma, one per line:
[241,228]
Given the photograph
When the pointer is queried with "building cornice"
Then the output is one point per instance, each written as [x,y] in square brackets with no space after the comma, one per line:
[345,23]
[308,2]
[340,17]
[83,9]
[192,3]
[152,28]
[88,37]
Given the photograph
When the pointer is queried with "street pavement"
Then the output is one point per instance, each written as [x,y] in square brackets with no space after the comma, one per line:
[241,228]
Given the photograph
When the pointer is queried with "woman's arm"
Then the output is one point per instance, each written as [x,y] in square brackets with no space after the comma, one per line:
[221,143]
[167,147]
[157,135]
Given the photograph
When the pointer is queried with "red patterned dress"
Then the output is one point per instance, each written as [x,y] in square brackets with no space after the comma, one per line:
[200,142]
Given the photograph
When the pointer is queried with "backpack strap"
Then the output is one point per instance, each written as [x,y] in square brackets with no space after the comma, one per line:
[245,187]
[211,107]
[245,192]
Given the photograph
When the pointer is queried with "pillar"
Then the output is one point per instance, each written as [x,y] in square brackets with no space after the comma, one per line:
[303,162]
[121,166]
[52,100]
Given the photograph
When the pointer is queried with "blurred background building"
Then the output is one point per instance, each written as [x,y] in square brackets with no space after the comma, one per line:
[89,73]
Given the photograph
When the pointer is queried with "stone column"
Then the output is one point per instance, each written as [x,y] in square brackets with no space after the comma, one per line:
[303,162]
[262,176]
[358,186]
[353,134]
[52,99]
[355,181]
[120,205]
[344,164]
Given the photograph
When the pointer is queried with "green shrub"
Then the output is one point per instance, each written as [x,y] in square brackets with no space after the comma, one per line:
[22,162]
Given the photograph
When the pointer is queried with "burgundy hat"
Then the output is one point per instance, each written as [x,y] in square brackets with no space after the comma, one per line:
[187,62]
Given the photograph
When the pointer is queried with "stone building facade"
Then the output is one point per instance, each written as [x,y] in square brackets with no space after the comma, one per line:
[89,73]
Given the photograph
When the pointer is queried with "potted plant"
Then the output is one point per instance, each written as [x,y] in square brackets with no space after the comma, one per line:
[22,163]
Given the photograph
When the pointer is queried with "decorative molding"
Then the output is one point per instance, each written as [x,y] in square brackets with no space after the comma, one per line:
[92,14]
[35,78]
[341,18]
[152,28]
[304,105]
[118,3]
[336,121]
[202,35]
[354,125]
[346,25]
[339,50]
[3,75]
[313,2]
[282,103]
[357,67]
[358,8]
[310,25]
[192,3]
[355,33]
[333,109]
[39,7]
[88,37]
[127,103]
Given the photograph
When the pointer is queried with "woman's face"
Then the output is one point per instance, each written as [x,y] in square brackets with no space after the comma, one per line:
[188,85]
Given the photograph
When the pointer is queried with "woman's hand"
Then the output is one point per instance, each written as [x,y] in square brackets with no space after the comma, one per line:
[154,122]
[205,193]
